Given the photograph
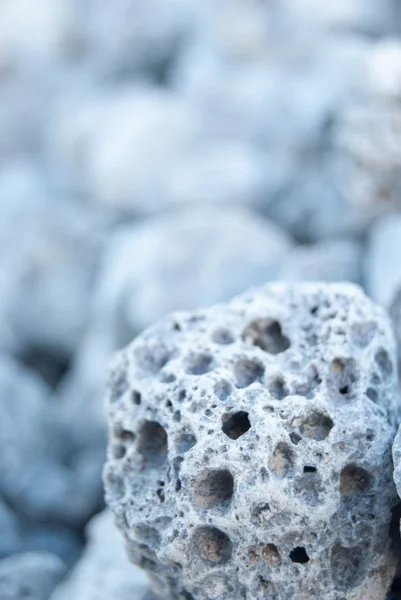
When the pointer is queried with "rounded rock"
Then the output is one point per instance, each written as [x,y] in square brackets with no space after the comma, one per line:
[284,485]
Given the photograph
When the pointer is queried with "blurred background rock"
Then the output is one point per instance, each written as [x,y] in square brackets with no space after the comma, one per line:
[166,154]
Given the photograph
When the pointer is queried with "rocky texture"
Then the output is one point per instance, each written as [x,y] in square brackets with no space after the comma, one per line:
[46,482]
[395,315]
[397,461]
[250,447]
[30,576]
[104,571]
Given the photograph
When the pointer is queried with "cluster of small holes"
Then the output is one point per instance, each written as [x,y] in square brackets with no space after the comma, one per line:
[265,552]
[214,488]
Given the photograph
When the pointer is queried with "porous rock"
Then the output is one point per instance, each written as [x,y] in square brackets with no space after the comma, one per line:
[250,447]
[104,571]
[31,575]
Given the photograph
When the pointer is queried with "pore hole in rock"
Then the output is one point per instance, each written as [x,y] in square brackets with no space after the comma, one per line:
[115,485]
[248,371]
[383,361]
[136,397]
[213,488]
[277,388]
[267,335]
[345,564]
[343,375]
[152,358]
[282,460]
[198,364]
[185,442]
[271,554]
[372,394]
[354,480]
[222,336]
[235,424]
[299,555]
[309,469]
[316,426]
[222,389]
[212,545]
[152,443]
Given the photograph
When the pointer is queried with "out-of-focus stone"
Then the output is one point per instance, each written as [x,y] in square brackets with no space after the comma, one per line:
[104,571]
[31,575]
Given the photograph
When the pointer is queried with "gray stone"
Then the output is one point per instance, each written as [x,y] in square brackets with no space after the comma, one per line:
[383,277]
[115,129]
[328,260]
[47,278]
[43,476]
[104,571]
[31,576]
[250,447]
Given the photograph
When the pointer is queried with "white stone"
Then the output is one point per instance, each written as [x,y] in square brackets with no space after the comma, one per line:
[250,447]
[104,571]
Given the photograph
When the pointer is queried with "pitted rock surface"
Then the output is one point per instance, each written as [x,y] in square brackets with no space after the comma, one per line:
[250,447]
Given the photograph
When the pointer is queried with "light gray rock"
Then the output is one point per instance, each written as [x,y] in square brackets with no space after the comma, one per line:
[383,277]
[328,260]
[132,37]
[104,571]
[352,176]
[32,576]
[250,447]
[97,136]
[19,534]
[47,277]
[44,477]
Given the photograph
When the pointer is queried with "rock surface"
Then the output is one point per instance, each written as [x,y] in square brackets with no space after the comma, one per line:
[104,571]
[30,576]
[250,447]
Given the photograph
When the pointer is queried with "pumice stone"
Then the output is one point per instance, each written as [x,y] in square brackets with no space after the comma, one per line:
[250,443]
